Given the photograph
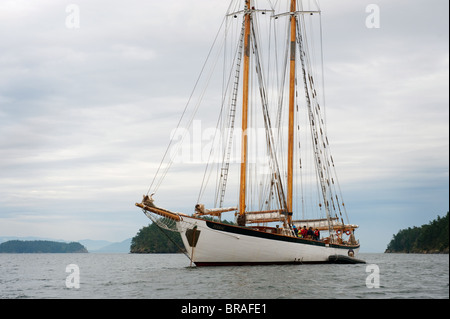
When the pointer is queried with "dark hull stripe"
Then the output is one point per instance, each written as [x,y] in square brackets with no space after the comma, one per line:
[255,233]
[342,260]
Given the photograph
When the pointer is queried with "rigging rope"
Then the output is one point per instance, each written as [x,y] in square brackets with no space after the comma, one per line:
[268,127]
[231,120]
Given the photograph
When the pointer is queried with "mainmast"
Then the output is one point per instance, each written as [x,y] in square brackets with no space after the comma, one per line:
[290,166]
[244,147]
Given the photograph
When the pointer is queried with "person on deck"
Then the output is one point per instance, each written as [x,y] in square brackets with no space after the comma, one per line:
[310,233]
[304,232]
[317,234]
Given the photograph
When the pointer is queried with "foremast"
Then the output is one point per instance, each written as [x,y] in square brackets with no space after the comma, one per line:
[244,139]
[290,166]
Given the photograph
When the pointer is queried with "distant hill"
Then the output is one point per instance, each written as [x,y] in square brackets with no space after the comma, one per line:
[120,247]
[94,245]
[40,246]
[430,238]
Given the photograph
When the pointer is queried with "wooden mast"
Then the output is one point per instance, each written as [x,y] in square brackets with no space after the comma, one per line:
[290,166]
[244,146]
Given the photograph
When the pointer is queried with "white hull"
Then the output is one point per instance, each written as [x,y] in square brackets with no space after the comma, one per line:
[220,244]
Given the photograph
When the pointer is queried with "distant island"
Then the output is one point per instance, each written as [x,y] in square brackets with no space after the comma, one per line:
[427,239]
[40,246]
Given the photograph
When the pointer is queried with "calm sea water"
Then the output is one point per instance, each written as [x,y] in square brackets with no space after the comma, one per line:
[385,276]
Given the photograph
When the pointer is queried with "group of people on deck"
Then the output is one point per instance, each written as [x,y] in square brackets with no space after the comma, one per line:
[307,233]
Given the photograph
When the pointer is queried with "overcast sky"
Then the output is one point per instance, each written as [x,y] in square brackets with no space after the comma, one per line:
[87,106]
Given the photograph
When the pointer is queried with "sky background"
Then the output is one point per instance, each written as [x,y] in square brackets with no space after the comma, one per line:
[86,112]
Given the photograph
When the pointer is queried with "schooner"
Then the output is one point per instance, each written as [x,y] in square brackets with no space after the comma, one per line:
[277,85]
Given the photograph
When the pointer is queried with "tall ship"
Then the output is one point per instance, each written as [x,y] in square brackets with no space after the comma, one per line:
[270,180]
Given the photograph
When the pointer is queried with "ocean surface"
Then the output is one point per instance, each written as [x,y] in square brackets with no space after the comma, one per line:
[107,276]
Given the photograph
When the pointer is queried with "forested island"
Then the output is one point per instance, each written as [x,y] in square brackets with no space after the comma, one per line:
[431,238]
[152,239]
[40,246]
